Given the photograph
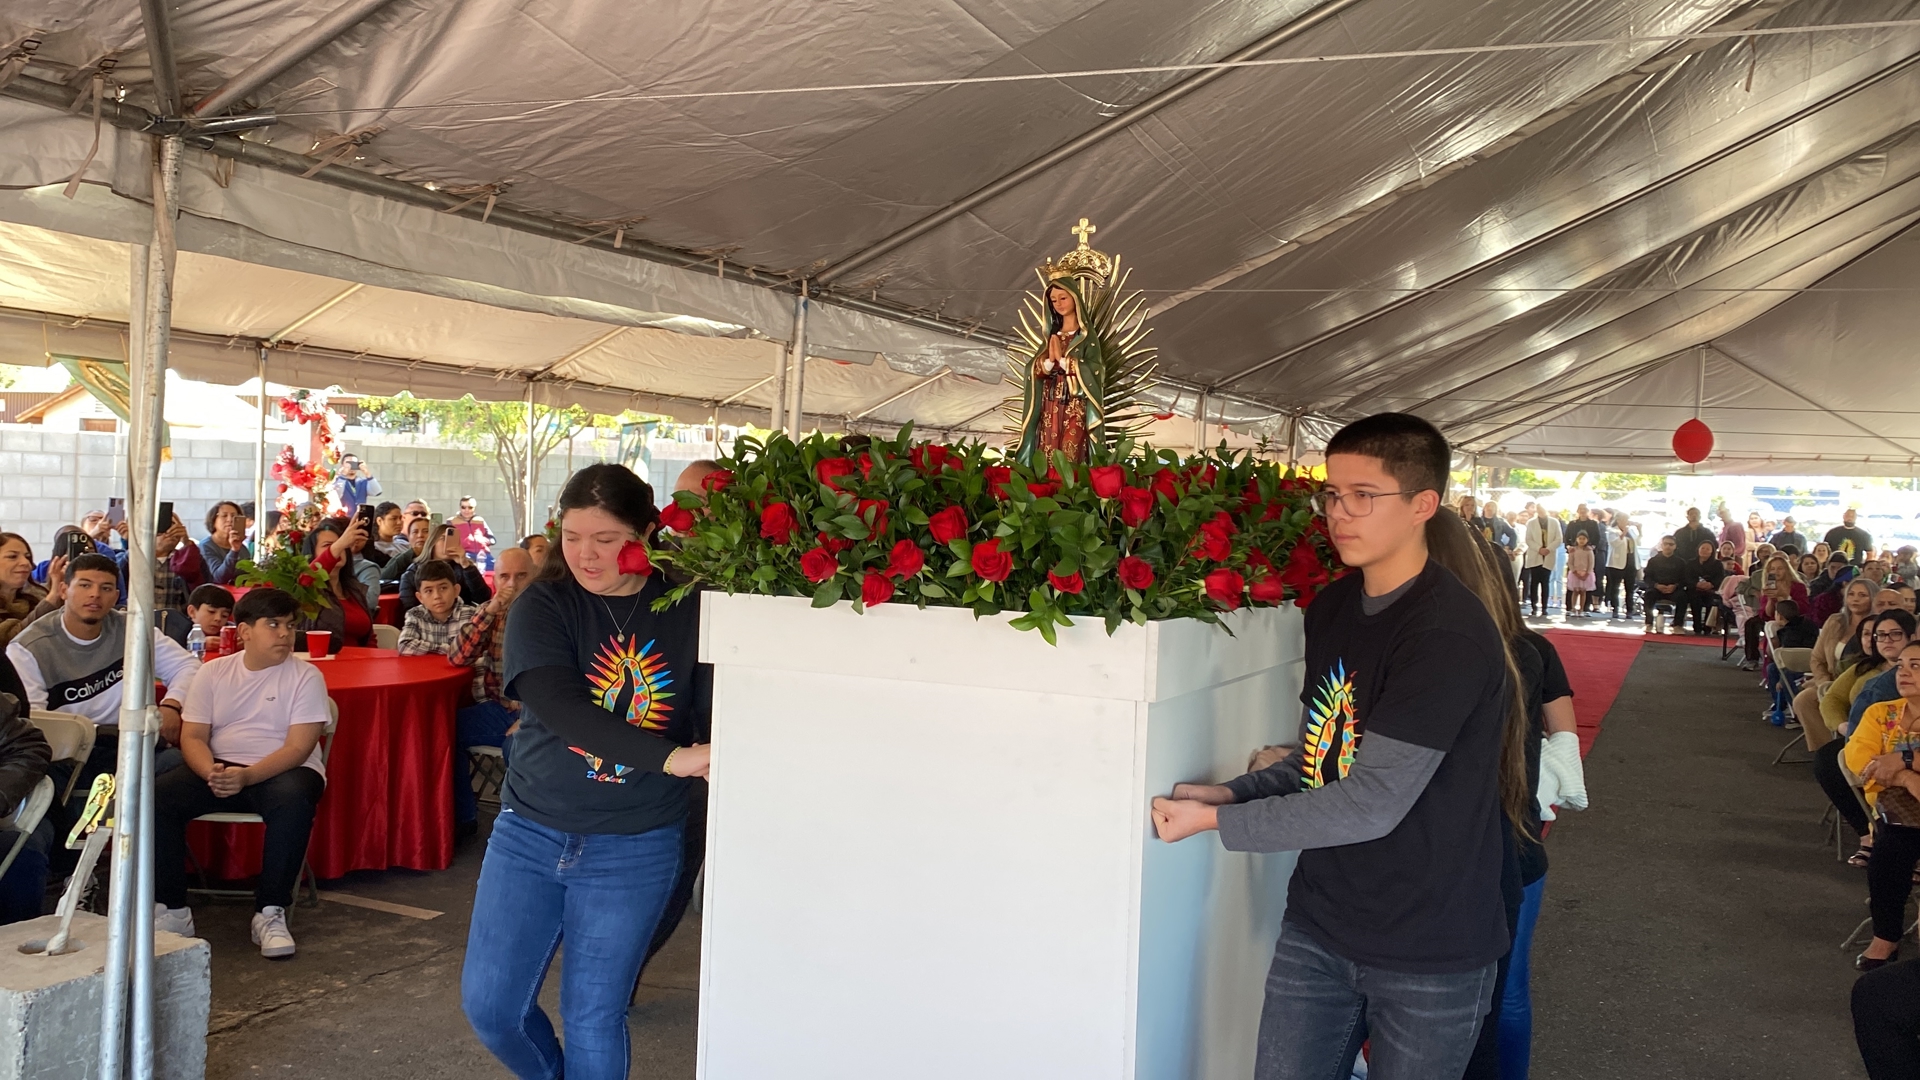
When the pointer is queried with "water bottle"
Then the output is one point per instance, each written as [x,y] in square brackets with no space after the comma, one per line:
[197,642]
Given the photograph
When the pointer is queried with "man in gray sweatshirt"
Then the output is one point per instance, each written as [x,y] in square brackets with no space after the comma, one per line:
[1394,920]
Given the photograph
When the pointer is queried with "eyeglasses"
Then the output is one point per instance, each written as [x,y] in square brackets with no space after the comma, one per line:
[1356,503]
[1889,635]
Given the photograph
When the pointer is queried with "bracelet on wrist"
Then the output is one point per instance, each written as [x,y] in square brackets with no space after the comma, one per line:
[667,765]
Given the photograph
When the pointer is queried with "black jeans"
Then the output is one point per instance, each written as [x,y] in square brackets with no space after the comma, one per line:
[287,803]
[1886,1021]
[1536,581]
[1617,585]
[1674,601]
[1826,770]
[1752,633]
[1896,851]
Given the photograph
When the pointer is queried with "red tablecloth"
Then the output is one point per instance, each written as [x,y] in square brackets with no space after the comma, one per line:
[389,613]
[389,798]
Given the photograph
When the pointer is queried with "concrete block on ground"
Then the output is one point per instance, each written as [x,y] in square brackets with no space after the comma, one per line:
[50,1006]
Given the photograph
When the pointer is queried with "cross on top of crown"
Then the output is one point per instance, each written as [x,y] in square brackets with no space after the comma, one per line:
[1084,230]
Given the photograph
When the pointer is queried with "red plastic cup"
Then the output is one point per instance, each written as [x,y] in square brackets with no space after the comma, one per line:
[318,642]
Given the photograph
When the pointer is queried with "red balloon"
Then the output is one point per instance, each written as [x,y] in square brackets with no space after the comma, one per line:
[1692,441]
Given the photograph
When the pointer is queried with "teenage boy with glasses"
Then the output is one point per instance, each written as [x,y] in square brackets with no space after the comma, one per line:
[1394,919]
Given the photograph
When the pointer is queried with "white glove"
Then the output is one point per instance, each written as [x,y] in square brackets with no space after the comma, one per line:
[1560,754]
[1549,786]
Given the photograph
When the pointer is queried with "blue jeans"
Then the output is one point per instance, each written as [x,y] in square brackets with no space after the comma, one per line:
[1320,1007]
[484,724]
[1516,1005]
[599,893]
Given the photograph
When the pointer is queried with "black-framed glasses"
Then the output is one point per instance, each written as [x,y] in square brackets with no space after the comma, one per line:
[1356,503]
[1889,635]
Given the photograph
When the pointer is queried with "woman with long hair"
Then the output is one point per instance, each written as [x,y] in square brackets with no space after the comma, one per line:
[1836,634]
[349,618]
[1880,639]
[446,545]
[1777,582]
[1880,752]
[588,841]
[22,601]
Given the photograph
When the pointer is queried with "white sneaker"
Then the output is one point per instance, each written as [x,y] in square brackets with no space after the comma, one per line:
[270,933]
[168,920]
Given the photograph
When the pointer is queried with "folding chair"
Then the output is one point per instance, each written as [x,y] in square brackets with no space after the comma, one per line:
[1792,667]
[489,773]
[1855,940]
[25,818]
[386,637]
[71,737]
[307,877]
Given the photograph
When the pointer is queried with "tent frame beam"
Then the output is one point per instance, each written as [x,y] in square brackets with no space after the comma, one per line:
[1098,134]
[1777,384]
[283,57]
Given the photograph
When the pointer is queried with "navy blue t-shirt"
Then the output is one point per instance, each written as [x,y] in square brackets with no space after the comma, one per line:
[588,754]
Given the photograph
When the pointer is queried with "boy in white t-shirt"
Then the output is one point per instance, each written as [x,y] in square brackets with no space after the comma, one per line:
[251,739]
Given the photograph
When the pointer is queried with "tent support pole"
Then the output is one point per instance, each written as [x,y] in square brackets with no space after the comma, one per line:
[1293,441]
[290,52]
[1200,422]
[130,922]
[262,501]
[796,415]
[1473,476]
[527,523]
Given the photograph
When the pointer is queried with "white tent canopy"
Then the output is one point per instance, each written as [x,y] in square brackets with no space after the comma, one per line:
[1534,248]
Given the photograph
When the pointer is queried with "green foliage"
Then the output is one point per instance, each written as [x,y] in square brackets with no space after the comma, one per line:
[1218,530]
[1621,482]
[1531,481]
[286,569]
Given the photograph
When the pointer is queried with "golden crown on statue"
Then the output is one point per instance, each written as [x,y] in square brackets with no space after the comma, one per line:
[1082,261]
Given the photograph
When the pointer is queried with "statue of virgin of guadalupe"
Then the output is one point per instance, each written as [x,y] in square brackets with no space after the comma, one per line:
[1079,364]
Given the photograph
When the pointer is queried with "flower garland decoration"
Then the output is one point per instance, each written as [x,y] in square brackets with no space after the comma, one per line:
[286,569]
[1135,534]
[304,495]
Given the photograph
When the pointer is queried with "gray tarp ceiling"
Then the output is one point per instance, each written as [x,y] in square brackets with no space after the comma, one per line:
[1533,248]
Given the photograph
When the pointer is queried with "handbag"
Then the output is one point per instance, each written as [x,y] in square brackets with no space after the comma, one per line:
[1897,806]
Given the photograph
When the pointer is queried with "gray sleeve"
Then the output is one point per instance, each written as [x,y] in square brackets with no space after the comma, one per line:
[1386,779]
[1280,778]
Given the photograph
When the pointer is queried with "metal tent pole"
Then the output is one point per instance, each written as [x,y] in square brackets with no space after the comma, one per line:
[1200,423]
[130,915]
[783,360]
[527,524]
[262,502]
[796,414]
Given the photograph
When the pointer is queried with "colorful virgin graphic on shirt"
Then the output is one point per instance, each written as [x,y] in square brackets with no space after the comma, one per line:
[637,674]
[1330,738]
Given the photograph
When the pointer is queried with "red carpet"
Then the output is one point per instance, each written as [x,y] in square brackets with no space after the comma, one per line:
[1596,666]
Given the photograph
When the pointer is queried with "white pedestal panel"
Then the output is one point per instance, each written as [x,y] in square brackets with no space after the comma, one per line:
[929,853]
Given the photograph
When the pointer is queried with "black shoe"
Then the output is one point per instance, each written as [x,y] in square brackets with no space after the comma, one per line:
[1863,962]
[466,830]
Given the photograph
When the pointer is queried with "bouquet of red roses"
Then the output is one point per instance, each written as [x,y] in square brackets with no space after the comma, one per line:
[1134,535]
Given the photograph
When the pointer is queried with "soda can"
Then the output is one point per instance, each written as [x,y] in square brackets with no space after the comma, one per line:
[229,639]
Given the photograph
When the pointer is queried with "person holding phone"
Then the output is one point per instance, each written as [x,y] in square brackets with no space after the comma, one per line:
[350,617]
[475,537]
[22,601]
[225,544]
[445,544]
[354,485]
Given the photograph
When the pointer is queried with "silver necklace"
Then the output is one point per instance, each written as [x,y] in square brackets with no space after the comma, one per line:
[631,612]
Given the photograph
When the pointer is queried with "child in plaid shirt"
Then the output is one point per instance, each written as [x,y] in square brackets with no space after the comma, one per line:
[434,626]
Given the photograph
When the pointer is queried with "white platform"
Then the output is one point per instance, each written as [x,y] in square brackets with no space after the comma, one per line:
[929,853]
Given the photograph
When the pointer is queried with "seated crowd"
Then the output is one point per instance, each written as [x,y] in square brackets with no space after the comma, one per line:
[242,732]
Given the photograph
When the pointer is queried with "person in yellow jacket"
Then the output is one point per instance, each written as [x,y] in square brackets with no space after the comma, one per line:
[1881,752]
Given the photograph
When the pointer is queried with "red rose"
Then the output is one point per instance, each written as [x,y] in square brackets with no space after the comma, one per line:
[1203,474]
[1268,590]
[1108,480]
[717,480]
[1220,525]
[831,469]
[633,559]
[948,525]
[294,536]
[677,518]
[1136,506]
[929,458]
[1274,510]
[866,467]
[1251,496]
[1295,483]
[990,562]
[1136,573]
[306,581]
[1162,483]
[1211,546]
[905,560]
[1224,588]
[1072,583]
[877,521]
[819,565]
[1304,570]
[875,589]
[777,523]
[1043,491]
[998,477]
[832,545]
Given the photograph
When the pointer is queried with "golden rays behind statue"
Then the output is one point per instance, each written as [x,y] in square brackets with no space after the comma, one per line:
[1080,366]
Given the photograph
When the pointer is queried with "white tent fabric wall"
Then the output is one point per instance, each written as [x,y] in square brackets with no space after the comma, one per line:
[1517,244]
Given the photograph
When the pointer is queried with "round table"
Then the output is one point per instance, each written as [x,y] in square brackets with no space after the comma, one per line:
[389,797]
